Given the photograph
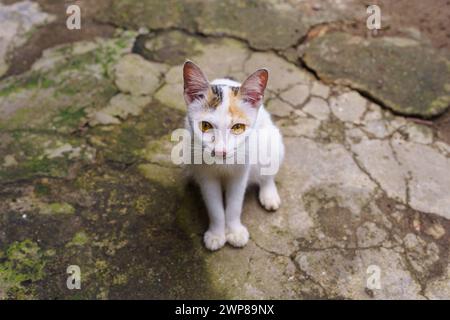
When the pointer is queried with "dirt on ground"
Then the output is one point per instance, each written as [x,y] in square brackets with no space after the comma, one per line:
[431,18]
[406,17]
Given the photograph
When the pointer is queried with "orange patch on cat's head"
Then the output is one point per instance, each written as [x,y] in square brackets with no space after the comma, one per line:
[234,109]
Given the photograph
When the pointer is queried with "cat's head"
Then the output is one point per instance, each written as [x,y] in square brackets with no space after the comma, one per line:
[222,113]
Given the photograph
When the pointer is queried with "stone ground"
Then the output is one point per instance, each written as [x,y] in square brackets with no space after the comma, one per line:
[86,177]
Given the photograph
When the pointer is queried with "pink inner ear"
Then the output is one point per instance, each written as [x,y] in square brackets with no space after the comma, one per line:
[252,89]
[195,83]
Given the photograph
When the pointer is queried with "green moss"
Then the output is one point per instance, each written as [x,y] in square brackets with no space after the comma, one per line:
[35,167]
[16,134]
[125,143]
[20,116]
[33,81]
[43,153]
[79,239]
[190,223]
[56,209]
[44,166]
[76,80]
[120,279]
[41,189]
[142,204]
[166,177]
[70,116]
[23,262]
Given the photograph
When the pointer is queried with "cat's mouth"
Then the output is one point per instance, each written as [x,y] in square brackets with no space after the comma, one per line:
[234,153]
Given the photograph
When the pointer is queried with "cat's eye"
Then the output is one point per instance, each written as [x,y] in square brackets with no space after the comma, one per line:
[205,126]
[238,128]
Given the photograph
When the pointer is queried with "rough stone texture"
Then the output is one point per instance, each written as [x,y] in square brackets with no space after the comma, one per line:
[428,177]
[320,90]
[119,107]
[283,75]
[300,127]
[318,108]
[137,76]
[63,73]
[379,160]
[296,95]
[406,76]
[17,20]
[263,24]
[439,289]
[172,47]
[89,181]
[279,108]
[348,107]
[347,276]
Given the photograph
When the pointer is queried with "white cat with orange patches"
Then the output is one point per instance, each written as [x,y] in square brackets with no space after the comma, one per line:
[223,116]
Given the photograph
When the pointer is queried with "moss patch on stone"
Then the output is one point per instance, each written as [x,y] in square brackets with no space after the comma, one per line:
[404,75]
[62,85]
[56,208]
[42,153]
[21,265]
[124,143]
[79,239]
[258,22]
[172,47]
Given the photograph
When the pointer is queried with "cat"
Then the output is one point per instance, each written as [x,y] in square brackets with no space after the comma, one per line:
[224,116]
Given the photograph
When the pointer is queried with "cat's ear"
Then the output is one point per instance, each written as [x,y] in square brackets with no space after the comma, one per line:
[252,90]
[195,83]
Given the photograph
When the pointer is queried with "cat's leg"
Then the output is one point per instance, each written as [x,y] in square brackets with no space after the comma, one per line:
[268,193]
[236,233]
[211,190]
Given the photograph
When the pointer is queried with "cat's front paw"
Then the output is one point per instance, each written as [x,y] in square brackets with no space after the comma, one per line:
[237,237]
[269,199]
[214,241]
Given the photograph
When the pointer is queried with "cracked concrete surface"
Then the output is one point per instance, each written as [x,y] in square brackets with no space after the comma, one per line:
[16,22]
[90,182]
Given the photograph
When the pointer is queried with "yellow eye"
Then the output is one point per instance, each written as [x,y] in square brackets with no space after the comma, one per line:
[238,128]
[205,126]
